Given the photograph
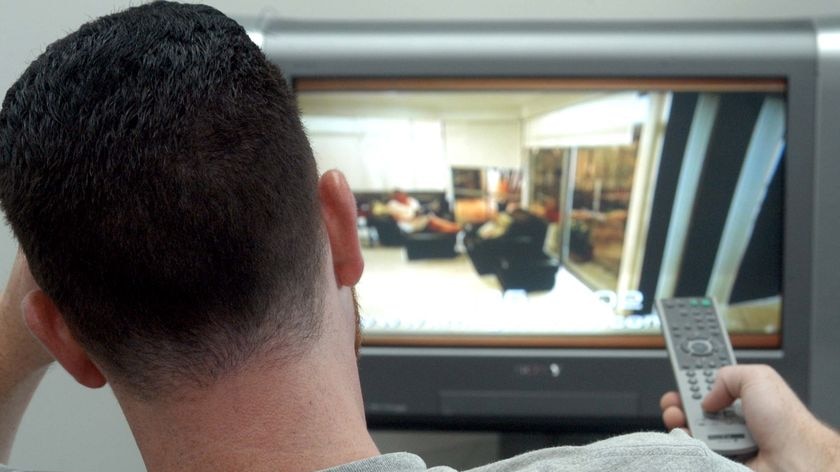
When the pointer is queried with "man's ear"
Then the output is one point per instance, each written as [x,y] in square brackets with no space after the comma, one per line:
[47,324]
[338,210]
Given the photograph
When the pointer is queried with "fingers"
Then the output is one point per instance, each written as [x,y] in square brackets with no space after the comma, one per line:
[672,414]
[673,417]
[719,397]
[760,386]
[21,281]
[670,399]
[729,385]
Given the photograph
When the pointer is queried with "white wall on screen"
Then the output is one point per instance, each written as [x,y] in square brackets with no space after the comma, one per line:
[381,154]
[606,121]
[484,143]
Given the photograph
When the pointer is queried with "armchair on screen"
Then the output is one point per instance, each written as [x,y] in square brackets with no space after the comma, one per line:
[515,256]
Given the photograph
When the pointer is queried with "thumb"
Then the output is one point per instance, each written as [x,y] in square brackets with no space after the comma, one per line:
[728,386]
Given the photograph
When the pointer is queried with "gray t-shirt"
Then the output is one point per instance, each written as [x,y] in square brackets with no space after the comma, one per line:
[642,452]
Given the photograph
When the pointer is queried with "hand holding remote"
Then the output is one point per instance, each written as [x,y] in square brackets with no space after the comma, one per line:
[698,345]
[789,437]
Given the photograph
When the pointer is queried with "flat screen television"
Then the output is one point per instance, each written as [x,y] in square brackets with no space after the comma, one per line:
[526,191]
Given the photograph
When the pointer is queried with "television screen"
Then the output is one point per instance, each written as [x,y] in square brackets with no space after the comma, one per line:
[553,212]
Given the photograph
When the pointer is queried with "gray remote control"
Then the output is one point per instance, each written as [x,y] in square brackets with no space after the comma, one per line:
[698,346]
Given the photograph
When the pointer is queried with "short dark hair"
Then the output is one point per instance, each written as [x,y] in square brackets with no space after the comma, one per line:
[154,169]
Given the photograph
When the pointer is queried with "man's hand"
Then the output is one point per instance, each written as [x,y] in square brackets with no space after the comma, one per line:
[23,360]
[19,344]
[788,436]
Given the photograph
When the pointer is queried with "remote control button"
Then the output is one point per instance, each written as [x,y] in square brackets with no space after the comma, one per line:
[692,381]
[696,396]
[686,346]
[695,388]
[700,347]
[708,373]
[690,373]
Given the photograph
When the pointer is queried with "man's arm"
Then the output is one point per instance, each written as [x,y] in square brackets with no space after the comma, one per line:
[789,437]
[23,361]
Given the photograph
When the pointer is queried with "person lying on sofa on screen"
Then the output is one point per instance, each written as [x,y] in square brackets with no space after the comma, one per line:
[408,213]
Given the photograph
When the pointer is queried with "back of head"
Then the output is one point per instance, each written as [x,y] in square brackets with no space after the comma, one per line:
[155,171]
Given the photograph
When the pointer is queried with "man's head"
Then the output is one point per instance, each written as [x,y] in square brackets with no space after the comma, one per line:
[155,171]
[400,196]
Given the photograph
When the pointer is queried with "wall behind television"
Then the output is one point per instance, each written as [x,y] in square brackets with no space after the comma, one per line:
[69,428]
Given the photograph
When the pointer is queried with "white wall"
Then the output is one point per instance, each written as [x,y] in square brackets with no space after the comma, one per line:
[377,154]
[69,428]
[495,143]
[606,121]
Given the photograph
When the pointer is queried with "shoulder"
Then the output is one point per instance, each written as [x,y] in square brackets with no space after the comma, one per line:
[393,462]
[632,452]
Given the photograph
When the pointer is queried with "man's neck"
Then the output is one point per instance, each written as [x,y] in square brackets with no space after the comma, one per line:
[298,417]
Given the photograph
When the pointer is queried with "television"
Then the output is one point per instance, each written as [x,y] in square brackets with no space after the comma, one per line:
[527,190]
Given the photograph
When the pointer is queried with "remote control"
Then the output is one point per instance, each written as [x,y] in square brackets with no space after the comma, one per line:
[698,346]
